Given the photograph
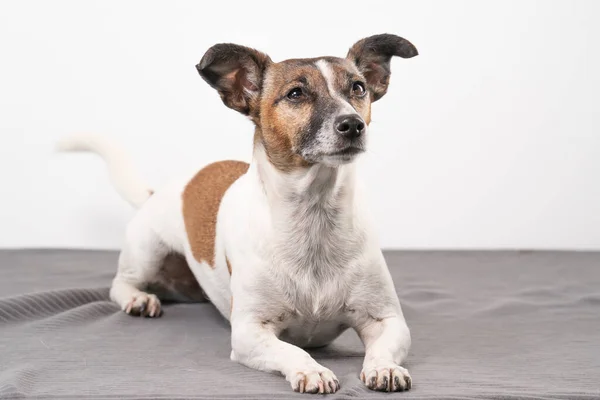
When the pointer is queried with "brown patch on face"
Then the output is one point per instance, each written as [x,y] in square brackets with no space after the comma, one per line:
[283,122]
[201,199]
[286,127]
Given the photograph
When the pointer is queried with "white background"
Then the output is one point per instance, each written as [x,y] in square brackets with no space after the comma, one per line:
[490,138]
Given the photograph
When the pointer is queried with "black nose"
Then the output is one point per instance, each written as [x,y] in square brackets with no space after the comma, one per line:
[350,126]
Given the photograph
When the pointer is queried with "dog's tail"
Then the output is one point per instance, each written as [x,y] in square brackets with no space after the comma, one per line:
[123,175]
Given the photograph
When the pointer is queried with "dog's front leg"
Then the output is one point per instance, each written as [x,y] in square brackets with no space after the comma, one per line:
[256,345]
[386,341]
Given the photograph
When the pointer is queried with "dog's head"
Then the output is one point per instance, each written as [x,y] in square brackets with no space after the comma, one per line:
[307,110]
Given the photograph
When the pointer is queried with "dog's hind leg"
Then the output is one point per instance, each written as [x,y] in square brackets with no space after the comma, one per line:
[140,262]
[134,301]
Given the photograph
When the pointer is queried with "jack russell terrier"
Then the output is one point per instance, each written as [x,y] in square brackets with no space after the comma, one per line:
[282,246]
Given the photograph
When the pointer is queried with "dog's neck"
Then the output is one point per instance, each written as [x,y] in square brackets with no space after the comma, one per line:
[315,185]
[312,211]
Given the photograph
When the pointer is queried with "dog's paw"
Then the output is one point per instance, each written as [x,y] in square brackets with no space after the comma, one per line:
[389,378]
[144,305]
[322,381]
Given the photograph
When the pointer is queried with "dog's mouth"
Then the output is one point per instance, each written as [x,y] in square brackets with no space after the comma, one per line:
[337,157]
[343,156]
[346,152]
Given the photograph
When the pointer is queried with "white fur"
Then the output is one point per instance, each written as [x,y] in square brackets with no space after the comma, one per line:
[123,175]
[327,72]
[306,266]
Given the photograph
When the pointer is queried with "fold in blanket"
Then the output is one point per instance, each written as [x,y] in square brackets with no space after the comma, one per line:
[503,325]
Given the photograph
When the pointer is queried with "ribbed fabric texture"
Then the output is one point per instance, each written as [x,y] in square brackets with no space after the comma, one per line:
[493,325]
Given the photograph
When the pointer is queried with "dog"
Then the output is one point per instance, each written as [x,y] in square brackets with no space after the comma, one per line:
[282,246]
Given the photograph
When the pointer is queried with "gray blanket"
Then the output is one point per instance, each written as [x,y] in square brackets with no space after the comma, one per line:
[501,325]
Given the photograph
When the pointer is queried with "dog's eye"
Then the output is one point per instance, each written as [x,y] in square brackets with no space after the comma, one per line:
[358,89]
[295,94]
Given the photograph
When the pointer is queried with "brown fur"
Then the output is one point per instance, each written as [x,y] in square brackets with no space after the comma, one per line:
[280,124]
[250,82]
[228,265]
[201,199]
[346,70]
[372,56]
[235,71]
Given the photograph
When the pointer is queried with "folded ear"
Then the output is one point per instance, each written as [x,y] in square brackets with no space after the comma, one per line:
[236,72]
[372,56]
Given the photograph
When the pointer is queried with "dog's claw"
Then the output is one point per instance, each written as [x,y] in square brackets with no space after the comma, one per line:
[396,383]
[301,386]
[389,378]
[323,382]
[373,382]
[143,304]
[384,384]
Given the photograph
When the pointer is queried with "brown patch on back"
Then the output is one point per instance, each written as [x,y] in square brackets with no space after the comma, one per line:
[201,200]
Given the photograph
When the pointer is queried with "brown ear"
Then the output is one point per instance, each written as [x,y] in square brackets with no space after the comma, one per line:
[372,56]
[236,72]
